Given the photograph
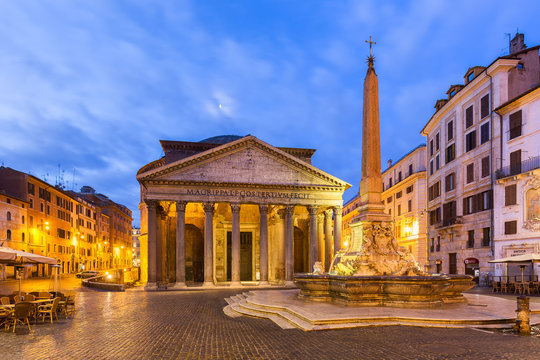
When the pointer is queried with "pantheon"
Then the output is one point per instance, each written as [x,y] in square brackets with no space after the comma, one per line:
[232,210]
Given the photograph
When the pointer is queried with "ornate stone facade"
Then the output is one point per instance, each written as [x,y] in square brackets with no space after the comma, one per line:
[235,209]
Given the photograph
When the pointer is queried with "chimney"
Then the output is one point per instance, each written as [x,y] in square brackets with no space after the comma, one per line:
[517,43]
[389,163]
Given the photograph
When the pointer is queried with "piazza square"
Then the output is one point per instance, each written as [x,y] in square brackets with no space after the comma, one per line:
[218,181]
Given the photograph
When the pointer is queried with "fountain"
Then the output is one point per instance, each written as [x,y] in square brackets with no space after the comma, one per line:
[374,270]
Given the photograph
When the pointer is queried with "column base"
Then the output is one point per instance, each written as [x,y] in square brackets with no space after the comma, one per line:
[236,283]
[207,284]
[150,286]
[264,283]
[179,285]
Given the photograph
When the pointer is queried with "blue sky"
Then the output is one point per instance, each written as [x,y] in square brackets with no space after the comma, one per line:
[93,85]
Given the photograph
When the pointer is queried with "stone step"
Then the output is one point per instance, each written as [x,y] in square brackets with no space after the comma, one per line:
[244,311]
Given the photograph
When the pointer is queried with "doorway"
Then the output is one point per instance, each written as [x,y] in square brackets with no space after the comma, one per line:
[194,254]
[246,255]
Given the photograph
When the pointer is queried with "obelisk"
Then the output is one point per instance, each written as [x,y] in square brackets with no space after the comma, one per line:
[371,184]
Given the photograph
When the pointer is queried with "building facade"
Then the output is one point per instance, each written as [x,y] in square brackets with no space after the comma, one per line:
[233,209]
[61,224]
[517,185]
[136,245]
[404,198]
[463,150]
[13,227]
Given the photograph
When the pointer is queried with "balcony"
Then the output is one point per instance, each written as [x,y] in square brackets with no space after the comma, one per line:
[448,222]
[515,169]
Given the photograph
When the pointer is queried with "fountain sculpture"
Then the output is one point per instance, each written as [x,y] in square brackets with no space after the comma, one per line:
[374,269]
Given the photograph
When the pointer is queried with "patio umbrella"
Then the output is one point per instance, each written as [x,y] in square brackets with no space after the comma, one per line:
[21,258]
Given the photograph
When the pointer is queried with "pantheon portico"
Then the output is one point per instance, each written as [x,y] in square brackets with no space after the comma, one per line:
[233,209]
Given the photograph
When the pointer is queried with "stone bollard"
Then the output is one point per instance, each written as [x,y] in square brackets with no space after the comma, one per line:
[523,320]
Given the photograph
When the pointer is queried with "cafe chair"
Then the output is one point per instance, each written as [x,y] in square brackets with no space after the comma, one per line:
[20,314]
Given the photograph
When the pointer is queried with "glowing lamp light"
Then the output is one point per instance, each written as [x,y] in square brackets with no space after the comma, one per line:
[345,243]
[121,247]
[106,273]
[74,241]
[109,276]
[82,236]
[105,243]
[125,269]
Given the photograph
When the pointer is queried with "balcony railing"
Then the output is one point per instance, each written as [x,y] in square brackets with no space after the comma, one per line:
[515,169]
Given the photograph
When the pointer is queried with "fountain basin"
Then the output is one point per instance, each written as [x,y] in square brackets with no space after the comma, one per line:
[395,291]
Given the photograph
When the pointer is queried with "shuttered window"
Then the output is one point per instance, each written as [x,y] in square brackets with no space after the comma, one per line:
[485,166]
[515,124]
[484,106]
[515,162]
[510,227]
[510,195]
[470,173]
[469,117]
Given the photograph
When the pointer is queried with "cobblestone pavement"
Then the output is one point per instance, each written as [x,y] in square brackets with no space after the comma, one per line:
[192,325]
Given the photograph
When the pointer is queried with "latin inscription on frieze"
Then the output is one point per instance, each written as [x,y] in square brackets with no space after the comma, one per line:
[247,193]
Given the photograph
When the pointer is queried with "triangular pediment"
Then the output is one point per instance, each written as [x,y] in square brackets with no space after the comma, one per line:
[245,161]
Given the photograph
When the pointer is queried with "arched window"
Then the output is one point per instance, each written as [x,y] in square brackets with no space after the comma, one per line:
[8,236]
[8,216]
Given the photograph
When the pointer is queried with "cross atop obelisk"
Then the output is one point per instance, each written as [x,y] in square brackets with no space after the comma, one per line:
[370,43]
[371,58]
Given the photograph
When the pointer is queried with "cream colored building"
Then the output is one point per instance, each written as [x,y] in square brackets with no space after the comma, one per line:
[517,186]
[13,227]
[463,143]
[404,198]
[234,209]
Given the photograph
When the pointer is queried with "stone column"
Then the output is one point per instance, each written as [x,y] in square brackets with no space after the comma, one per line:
[327,239]
[235,245]
[337,228]
[289,237]
[312,236]
[208,244]
[263,244]
[160,249]
[180,244]
[151,236]
[320,236]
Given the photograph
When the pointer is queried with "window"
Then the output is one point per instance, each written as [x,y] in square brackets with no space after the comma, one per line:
[450,182]
[8,216]
[510,195]
[470,173]
[398,195]
[469,117]
[390,183]
[450,153]
[486,237]
[470,239]
[399,176]
[431,167]
[520,66]
[434,191]
[437,165]
[410,169]
[431,147]
[510,227]
[31,189]
[435,216]
[399,210]
[515,162]
[388,200]
[470,77]
[478,202]
[449,213]
[438,243]
[437,140]
[31,203]
[470,141]
[409,189]
[485,167]
[468,205]
[389,211]
[22,219]
[48,210]
[432,247]
[484,106]
[8,235]
[515,124]
[450,130]
[22,237]
[484,133]
[409,205]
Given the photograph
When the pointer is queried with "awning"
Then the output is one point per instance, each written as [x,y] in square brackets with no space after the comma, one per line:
[519,259]
[16,257]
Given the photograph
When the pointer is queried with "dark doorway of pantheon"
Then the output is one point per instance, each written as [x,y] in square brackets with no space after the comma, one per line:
[299,251]
[194,254]
[246,255]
